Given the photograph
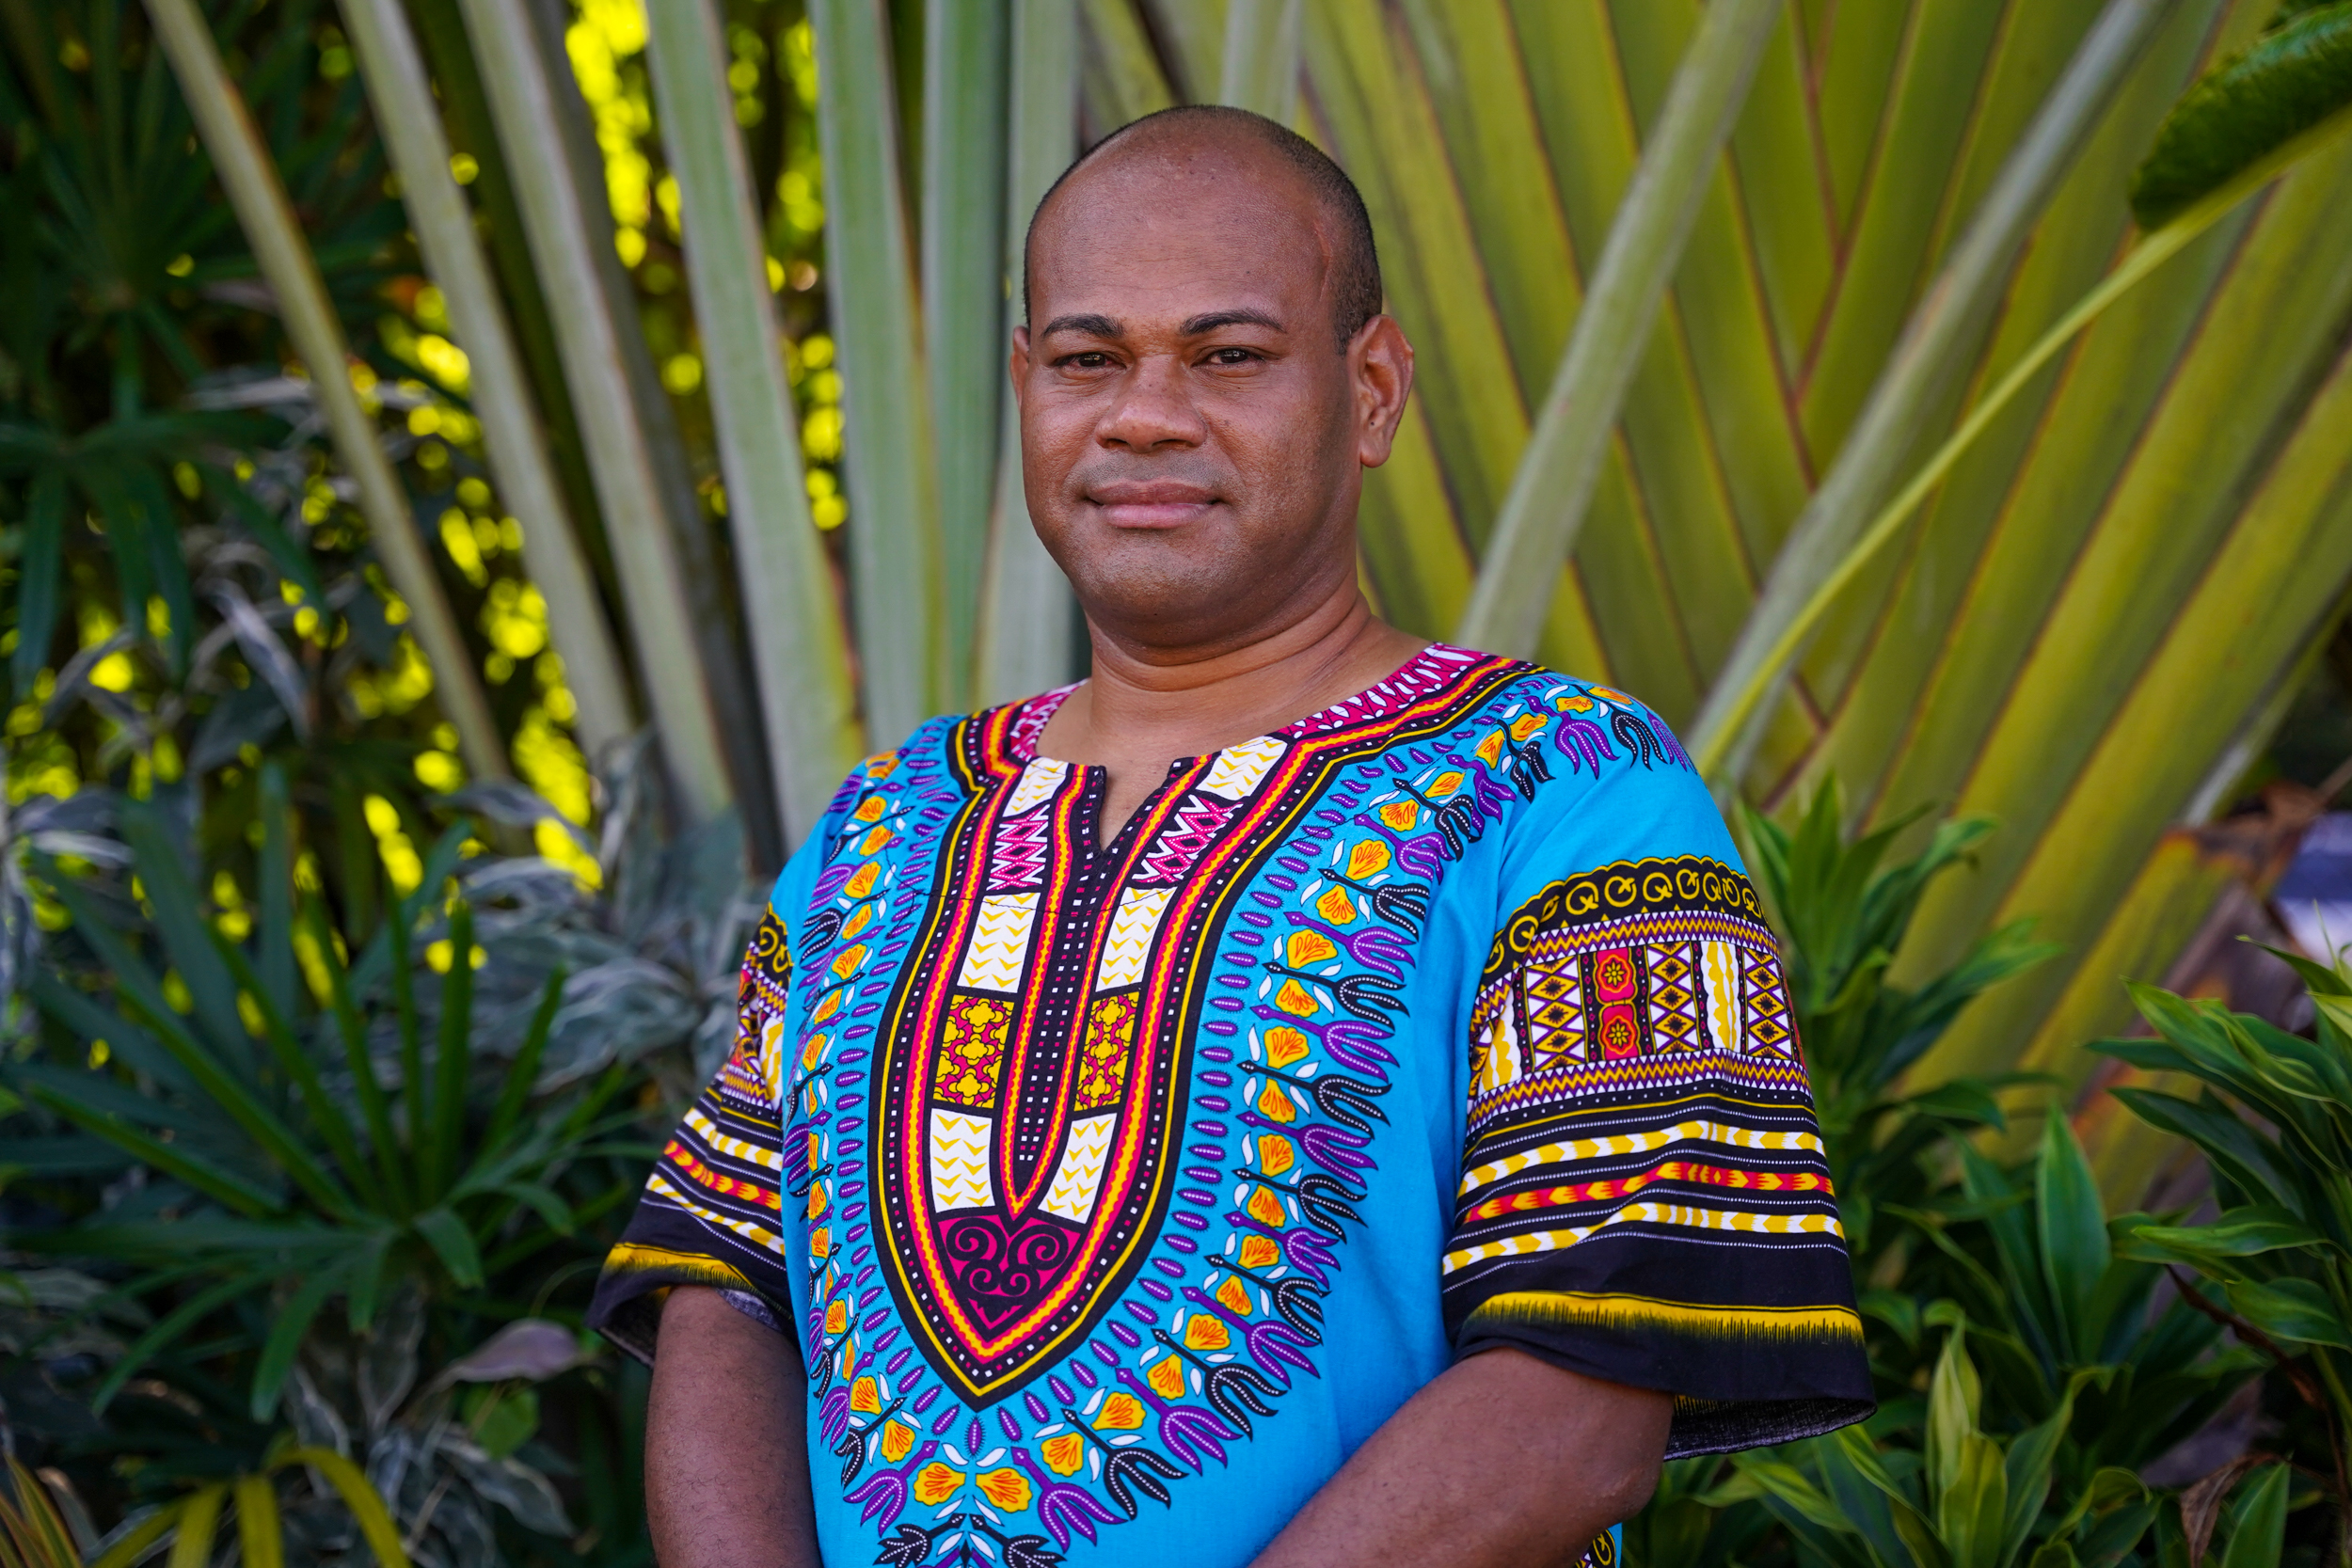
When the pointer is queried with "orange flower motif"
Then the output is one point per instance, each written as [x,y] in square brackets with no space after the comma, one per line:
[814,1051]
[874,841]
[1336,906]
[1284,1046]
[897,1442]
[1297,1000]
[1310,947]
[1063,1454]
[1260,1252]
[1446,782]
[1367,859]
[816,1201]
[1166,1377]
[864,1397]
[870,811]
[1490,749]
[846,962]
[1267,1209]
[1527,725]
[1235,1294]
[1007,1488]
[1276,1154]
[859,921]
[825,1010]
[1202,1332]
[1400,814]
[821,1243]
[1120,1413]
[881,767]
[837,1315]
[862,883]
[935,1483]
[1274,1103]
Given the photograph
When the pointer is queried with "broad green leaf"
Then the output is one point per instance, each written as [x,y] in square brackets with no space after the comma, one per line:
[2297,1311]
[453,1244]
[2238,1233]
[1784,1482]
[1972,1512]
[2260,1522]
[1953,1396]
[134,1546]
[2072,1233]
[2296,77]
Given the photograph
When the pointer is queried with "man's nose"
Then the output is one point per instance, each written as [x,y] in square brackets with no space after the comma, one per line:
[1152,409]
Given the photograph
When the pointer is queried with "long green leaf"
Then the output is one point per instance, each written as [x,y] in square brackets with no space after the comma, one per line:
[167,1329]
[1260,68]
[523,1075]
[260,1538]
[197,1524]
[895,548]
[259,197]
[273,873]
[374,1110]
[453,1059]
[966,82]
[808,703]
[605,362]
[288,1326]
[39,582]
[453,1244]
[1026,615]
[223,1186]
[498,384]
[296,1062]
[1537,531]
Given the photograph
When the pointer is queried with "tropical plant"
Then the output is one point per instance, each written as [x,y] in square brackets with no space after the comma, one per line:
[1842,915]
[2272,1119]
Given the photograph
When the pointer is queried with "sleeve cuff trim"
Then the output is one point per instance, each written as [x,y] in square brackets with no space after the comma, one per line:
[1560,1309]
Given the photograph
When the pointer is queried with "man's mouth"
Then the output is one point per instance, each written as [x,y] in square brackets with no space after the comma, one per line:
[1156,503]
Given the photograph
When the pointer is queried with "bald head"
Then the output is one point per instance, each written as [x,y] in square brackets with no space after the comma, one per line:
[1210,142]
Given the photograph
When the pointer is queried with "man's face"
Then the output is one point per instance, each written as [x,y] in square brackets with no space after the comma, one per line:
[1192,436]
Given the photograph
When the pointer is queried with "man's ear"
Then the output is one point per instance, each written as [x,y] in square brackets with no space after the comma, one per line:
[1017,362]
[1380,368]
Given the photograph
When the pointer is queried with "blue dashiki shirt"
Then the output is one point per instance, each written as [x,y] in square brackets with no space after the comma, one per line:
[1117,1194]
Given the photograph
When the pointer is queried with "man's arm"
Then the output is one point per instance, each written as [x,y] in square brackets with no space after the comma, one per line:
[1504,1460]
[726,1456]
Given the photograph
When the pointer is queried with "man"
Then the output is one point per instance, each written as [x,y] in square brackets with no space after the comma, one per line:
[1301,1096]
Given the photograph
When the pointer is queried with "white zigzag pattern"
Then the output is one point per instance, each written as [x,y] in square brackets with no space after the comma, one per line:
[999,949]
[728,1145]
[1079,1178]
[1139,916]
[960,1178]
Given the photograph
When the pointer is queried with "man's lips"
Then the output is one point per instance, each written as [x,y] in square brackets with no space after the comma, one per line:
[1157,504]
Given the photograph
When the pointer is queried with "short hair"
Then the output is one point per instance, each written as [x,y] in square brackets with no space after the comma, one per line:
[1356,290]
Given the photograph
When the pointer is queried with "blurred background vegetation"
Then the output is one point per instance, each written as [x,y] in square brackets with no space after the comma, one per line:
[393,762]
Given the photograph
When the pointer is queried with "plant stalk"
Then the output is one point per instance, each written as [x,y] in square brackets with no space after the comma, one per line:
[258,196]
[799,640]
[401,92]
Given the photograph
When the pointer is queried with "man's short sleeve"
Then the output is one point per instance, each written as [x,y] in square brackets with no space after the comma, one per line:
[1644,1197]
[711,1212]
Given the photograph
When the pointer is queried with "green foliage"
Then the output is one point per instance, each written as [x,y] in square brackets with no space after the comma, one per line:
[1843,915]
[2296,76]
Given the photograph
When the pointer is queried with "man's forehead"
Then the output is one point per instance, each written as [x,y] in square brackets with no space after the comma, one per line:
[1176,238]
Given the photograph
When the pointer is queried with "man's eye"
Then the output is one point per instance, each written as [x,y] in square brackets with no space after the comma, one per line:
[1088,361]
[1231,356]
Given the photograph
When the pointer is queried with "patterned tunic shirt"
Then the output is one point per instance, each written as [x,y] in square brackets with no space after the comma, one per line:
[1116,1194]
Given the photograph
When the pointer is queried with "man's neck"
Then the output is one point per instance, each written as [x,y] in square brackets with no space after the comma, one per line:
[1143,707]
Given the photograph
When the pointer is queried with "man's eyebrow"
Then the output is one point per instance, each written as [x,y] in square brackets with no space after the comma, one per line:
[1093,326]
[1215,319]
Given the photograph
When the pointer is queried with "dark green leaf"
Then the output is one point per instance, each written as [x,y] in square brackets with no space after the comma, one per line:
[2296,1311]
[2074,1234]
[2251,105]
[39,579]
[453,1244]
[288,1324]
